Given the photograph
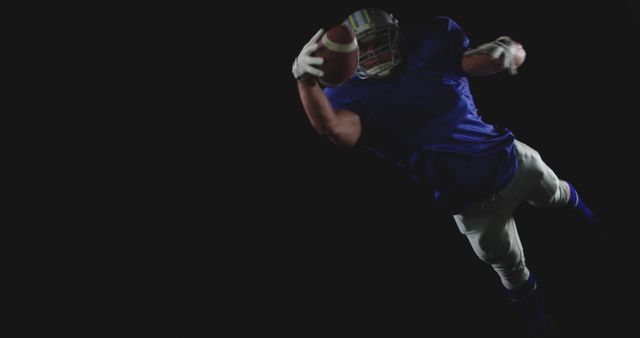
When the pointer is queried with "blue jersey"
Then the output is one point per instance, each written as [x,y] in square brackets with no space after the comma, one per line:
[424,118]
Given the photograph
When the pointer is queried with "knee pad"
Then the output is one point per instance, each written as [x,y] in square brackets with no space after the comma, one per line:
[492,250]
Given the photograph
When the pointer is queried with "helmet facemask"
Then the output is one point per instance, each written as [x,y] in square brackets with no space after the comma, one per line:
[378,36]
[379,53]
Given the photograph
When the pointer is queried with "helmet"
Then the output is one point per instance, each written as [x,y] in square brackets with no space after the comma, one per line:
[378,35]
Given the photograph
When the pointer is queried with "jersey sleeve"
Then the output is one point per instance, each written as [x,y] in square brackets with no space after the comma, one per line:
[339,99]
[441,44]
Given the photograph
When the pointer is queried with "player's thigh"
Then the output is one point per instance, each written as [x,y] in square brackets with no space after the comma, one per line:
[535,182]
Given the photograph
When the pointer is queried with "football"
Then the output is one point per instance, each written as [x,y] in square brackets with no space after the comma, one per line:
[339,49]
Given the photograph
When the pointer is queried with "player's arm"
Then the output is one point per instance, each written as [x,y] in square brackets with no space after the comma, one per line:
[494,57]
[342,127]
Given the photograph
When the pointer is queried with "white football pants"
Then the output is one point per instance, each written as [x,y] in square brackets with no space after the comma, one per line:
[489,224]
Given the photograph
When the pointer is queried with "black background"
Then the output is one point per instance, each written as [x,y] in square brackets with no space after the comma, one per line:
[172,184]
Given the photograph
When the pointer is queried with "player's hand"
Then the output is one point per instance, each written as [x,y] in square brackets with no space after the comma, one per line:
[303,64]
[507,53]
[502,48]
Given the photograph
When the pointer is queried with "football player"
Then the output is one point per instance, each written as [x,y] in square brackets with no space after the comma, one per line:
[410,103]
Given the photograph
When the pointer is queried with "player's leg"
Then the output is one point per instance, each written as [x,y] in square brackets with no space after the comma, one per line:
[540,186]
[526,299]
[576,202]
[493,235]
[496,242]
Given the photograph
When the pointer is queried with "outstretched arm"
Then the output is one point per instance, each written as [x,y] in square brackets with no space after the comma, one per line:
[494,57]
[342,127]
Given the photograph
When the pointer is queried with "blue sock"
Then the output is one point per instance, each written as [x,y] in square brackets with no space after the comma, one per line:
[524,290]
[526,300]
[576,202]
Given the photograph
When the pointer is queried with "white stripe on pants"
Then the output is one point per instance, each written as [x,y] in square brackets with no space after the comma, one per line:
[489,224]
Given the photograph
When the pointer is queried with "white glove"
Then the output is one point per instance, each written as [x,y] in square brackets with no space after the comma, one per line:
[503,48]
[302,65]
